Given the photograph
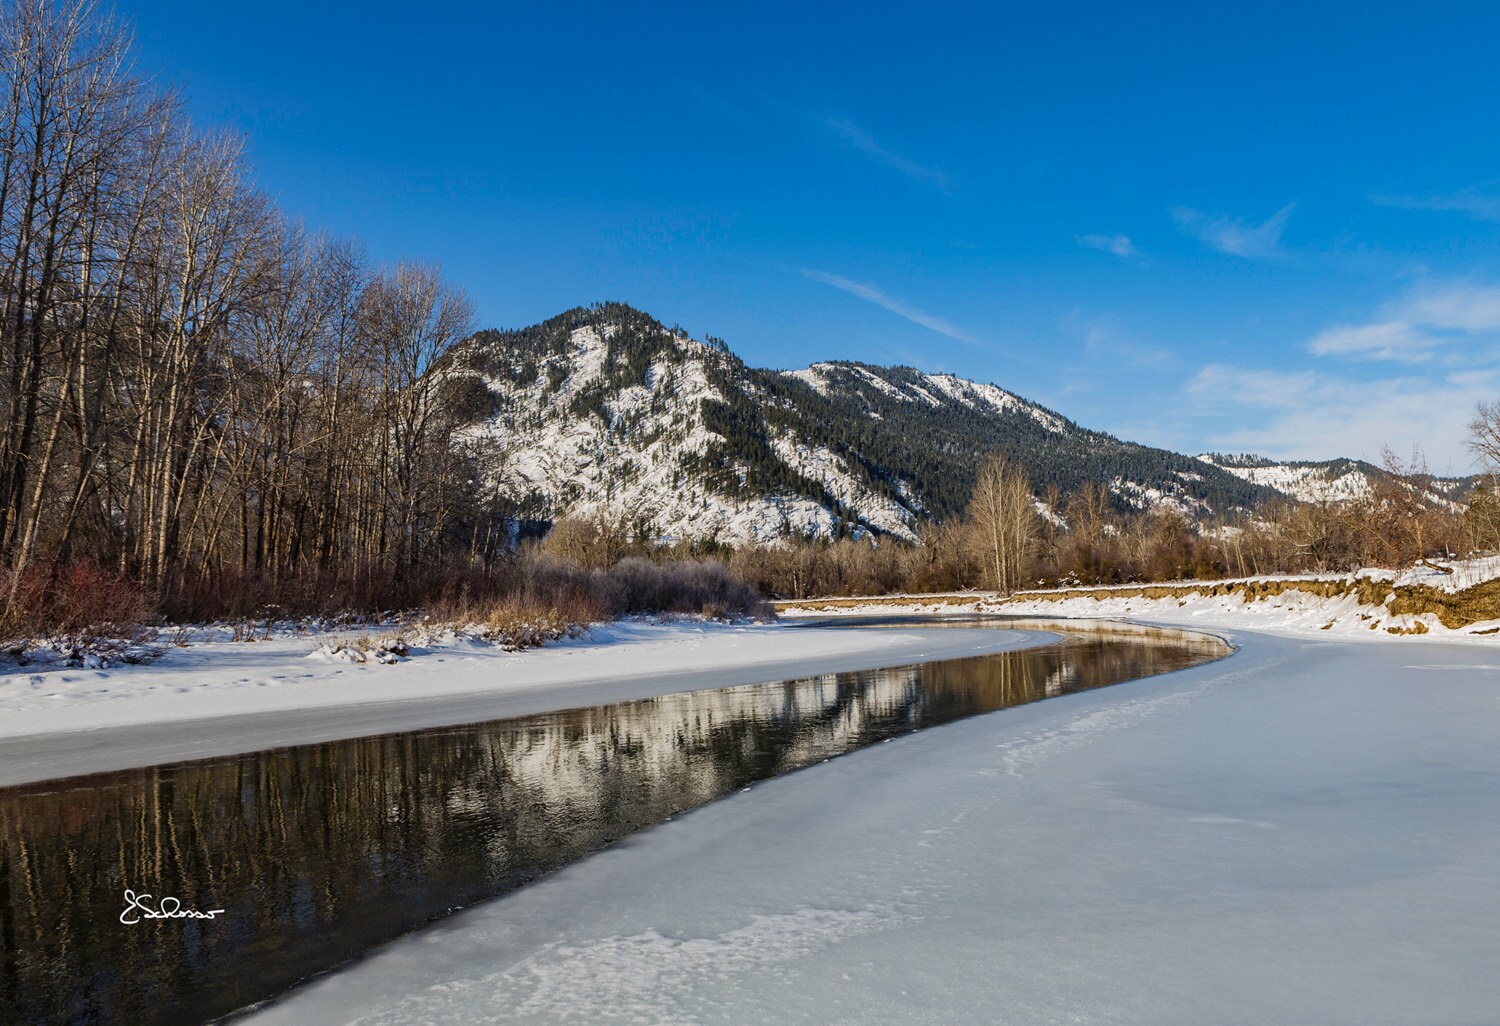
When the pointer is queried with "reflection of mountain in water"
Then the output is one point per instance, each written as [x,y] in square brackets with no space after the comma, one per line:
[322,851]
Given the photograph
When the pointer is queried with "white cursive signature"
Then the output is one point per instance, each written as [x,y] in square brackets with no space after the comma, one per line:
[136,909]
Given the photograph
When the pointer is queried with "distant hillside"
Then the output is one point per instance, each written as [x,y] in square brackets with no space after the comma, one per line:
[604,409]
[1328,480]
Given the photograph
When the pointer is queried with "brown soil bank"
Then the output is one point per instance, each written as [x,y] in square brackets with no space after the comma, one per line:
[1454,610]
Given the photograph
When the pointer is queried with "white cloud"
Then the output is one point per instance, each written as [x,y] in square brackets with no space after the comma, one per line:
[1220,383]
[1384,340]
[1235,237]
[1463,318]
[1468,308]
[1309,415]
[1472,201]
[899,307]
[1448,335]
[850,133]
[1119,245]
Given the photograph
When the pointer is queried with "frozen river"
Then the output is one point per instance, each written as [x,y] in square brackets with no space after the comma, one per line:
[318,853]
[1308,832]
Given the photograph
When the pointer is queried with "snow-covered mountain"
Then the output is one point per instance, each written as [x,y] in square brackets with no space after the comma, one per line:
[1329,480]
[603,410]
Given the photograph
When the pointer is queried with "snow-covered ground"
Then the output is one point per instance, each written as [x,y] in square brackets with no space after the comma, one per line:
[1305,832]
[1292,612]
[1462,573]
[218,697]
[1193,604]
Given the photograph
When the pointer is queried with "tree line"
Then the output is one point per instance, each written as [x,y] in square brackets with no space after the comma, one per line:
[200,396]
[1007,540]
[212,411]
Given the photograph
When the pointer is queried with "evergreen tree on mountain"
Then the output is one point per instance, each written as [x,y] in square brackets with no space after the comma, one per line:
[895,434]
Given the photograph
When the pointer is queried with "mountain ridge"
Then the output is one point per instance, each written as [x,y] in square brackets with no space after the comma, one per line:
[603,410]
[1336,480]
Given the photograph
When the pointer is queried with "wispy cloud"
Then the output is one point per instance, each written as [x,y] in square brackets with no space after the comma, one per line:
[1382,340]
[1220,383]
[899,307]
[1447,334]
[1233,236]
[1119,245]
[1109,346]
[1311,415]
[1463,318]
[1481,202]
[1466,307]
[851,134]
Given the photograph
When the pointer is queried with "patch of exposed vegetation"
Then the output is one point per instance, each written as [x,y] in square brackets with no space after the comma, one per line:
[1454,610]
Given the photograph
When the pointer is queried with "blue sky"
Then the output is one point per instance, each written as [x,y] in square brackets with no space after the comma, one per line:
[1271,229]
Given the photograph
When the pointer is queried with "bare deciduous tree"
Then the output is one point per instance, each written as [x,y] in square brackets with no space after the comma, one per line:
[193,388]
[408,320]
[1484,436]
[1002,512]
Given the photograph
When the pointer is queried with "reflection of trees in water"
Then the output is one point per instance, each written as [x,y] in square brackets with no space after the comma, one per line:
[321,851]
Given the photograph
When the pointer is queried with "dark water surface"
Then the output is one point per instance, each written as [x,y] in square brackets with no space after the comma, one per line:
[320,852]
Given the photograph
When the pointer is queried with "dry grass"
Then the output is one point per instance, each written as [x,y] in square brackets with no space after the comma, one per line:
[516,623]
[389,647]
[524,602]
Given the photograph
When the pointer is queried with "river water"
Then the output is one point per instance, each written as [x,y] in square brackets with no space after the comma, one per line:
[318,853]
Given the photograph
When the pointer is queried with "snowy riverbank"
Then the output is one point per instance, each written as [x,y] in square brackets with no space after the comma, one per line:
[1304,832]
[1373,604]
[221,697]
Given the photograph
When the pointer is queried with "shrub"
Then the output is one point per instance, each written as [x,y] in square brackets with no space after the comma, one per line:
[697,586]
[78,599]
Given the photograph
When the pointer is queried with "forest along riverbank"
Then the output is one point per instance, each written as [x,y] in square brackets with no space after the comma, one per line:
[318,853]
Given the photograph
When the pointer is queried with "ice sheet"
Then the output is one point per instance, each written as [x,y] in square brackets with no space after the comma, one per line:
[1306,832]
